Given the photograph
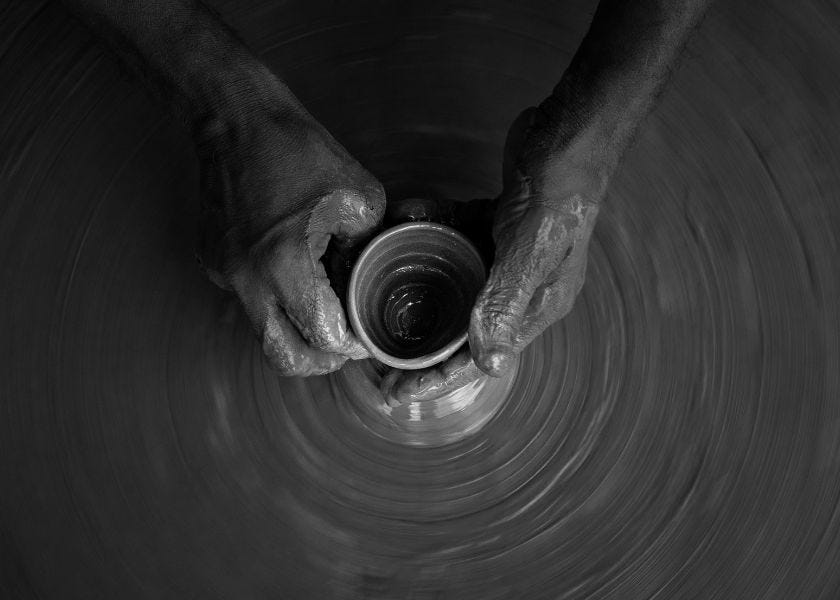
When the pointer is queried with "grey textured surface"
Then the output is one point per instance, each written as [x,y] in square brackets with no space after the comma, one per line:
[676,436]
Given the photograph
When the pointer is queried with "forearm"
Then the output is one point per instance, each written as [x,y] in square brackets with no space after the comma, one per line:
[616,75]
[187,54]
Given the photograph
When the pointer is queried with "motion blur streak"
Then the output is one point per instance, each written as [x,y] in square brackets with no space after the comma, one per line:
[676,436]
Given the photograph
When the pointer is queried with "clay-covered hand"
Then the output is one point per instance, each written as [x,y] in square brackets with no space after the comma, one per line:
[277,190]
[541,229]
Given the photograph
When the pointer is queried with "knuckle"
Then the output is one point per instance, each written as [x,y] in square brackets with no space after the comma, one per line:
[319,341]
[324,325]
[500,307]
[282,356]
[368,200]
[492,315]
[358,210]
[319,336]
[375,197]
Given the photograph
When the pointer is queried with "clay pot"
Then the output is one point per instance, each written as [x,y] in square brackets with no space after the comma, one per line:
[411,292]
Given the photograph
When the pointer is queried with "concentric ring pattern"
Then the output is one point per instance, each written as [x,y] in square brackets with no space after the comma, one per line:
[676,436]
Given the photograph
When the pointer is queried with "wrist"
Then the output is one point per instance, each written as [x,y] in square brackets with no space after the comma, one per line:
[238,104]
[582,130]
[206,70]
[572,149]
[233,90]
[617,73]
[602,110]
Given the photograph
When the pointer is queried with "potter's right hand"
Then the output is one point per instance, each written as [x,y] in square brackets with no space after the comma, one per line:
[276,189]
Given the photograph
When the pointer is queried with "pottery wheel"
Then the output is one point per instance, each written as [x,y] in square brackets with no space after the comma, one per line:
[676,436]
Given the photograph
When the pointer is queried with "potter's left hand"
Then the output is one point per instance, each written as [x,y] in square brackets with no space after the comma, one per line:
[278,189]
[541,230]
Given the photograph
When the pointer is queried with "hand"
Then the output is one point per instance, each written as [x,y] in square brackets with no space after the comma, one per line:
[277,190]
[541,228]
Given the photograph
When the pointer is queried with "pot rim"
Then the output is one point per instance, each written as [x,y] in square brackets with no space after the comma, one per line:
[427,360]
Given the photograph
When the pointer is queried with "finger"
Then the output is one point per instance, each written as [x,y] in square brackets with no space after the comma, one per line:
[555,299]
[550,303]
[300,280]
[345,222]
[285,349]
[349,215]
[525,256]
[304,291]
[399,387]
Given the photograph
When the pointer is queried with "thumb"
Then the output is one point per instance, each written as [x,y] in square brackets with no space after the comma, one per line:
[350,215]
[529,251]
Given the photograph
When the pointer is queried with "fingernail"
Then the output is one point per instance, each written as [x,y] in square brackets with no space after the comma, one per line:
[496,361]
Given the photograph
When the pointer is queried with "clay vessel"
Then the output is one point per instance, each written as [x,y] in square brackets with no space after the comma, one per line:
[411,292]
